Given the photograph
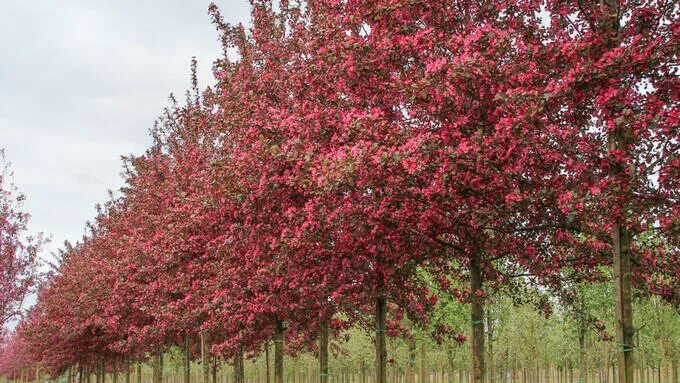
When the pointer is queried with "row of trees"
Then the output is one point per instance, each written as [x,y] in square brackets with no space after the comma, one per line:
[361,160]
[524,345]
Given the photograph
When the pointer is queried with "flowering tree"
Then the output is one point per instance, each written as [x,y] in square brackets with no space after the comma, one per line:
[610,93]
[18,250]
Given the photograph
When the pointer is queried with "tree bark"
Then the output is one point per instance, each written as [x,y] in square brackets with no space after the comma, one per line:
[205,358]
[363,371]
[127,369]
[624,312]
[410,367]
[158,366]
[239,373]
[647,374]
[139,372]
[214,369]
[380,349]
[620,235]
[581,355]
[278,353]
[449,364]
[187,360]
[100,370]
[266,360]
[423,365]
[477,318]
[491,366]
[154,368]
[323,352]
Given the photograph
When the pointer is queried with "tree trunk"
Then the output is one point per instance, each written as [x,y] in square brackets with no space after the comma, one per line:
[363,371]
[139,372]
[266,361]
[237,378]
[674,371]
[477,318]
[606,376]
[647,379]
[323,352]
[624,316]
[205,358]
[239,373]
[492,372]
[214,369]
[449,364]
[114,370]
[410,367]
[158,366]
[278,353]
[127,369]
[100,370]
[187,360]
[620,235]
[154,368]
[581,355]
[423,365]
[380,349]
[309,378]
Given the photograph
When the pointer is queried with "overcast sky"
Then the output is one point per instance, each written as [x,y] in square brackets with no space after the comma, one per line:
[81,82]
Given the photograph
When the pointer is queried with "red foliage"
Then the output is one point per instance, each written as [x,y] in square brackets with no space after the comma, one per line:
[356,142]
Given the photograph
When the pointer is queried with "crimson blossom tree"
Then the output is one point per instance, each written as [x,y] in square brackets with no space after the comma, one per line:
[609,91]
[312,235]
[18,249]
[268,293]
